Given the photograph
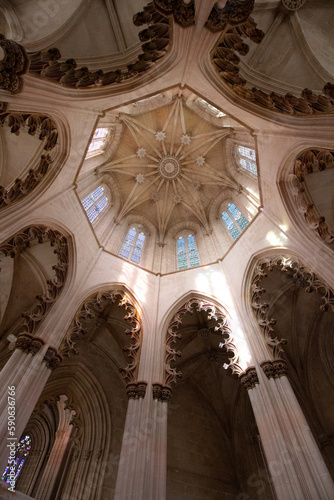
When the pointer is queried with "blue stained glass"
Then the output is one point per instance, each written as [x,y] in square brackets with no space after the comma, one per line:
[92,197]
[230,225]
[97,209]
[193,253]
[247,152]
[137,251]
[13,469]
[251,167]
[237,215]
[100,133]
[128,243]
[181,254]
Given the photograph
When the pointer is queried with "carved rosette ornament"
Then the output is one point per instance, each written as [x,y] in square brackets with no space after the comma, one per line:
[28,343]
[171,374]
[136,390]
[275,369]
[15,245]
[300,275]
[162,393]
[90,311]
[310,161]
[249,378]
[235,12]
[13,63]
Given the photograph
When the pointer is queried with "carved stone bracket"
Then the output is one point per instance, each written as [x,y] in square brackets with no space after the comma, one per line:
[136,390]
[234,13]
[52,358]
[156,40]
[171,374]
[249,378]
[15,245]
[90,311]
[275,369]
[28,343]
[14,63]
[310,161]
[162,392]
[183,13]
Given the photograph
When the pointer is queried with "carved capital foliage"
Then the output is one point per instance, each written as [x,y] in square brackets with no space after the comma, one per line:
[14,63]
[171,374]
[46,130]
[52,358]
[15,245]
[275,369]
[156,40]
[28,343]
[310,161]
[234,13]
[136,390]
[249,378]
[90,311]
[162,392]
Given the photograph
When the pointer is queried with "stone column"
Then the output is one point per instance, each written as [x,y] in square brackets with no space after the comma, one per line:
[52,469]
[296,466]
[27,370]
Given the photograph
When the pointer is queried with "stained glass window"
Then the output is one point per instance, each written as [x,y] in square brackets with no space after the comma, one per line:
[187,253]
[132,247]
[97,143]
[209,108]
[14,466]
[94,203]
[247,159]
[234,220]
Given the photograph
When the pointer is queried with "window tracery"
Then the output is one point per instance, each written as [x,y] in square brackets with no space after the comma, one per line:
[234,220]
[209,108]
[187,253]
[95,202]
[247,159]
[98,142]
[133,245]
[14,466]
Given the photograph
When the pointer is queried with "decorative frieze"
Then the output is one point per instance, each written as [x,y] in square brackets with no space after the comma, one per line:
[275,369]
[14,63]
[90,311]
[15,245]
[249,378]
[136,390]
[156,44]
[162,392]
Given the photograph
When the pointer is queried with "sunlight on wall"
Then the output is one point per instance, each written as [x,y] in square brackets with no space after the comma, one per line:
[276,238]
[138,278]
[213,282]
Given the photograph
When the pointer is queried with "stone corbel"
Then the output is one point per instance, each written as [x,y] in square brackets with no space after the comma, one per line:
[161,392]
[249,378]
[136,390]
[13,62]
[29,344]
[52,359]
[275,369]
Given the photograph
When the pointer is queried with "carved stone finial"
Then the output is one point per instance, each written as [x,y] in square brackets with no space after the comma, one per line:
[249,378]
[13,62]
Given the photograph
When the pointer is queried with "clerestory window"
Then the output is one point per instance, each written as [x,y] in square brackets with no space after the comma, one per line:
[132,248]
[17,461]
[247,159]
[95,202]
[187,253]
[98,142]
[234,220]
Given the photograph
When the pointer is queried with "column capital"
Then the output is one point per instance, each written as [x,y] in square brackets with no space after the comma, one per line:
[29,344]
[136,390]
[249,378]
[161,392]
[52,358]
[275,369]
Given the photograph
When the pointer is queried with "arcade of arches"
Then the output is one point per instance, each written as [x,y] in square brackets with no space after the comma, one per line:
[166,250]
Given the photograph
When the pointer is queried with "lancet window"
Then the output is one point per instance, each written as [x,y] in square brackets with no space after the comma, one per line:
[132,248]
[247,159]
[187,253]
[16,462]
[95,202]
[98,142]
[234,220]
